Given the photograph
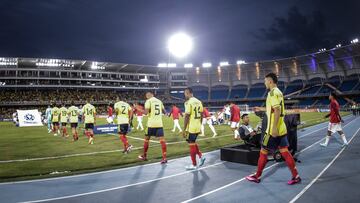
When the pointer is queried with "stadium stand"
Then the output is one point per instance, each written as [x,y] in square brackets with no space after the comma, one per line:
[35,82]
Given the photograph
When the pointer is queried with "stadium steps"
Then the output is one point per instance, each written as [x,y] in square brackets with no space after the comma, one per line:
[339,92]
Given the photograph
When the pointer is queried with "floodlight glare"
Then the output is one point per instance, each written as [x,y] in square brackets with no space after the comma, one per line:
[180,45]
[206,65]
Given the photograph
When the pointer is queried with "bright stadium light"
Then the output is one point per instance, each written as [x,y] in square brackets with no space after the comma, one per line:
[162,65]
[338,45]
[356,40]
[206,65]
[171,65]
[188,65]
[224,63]
[240,62]
[180,45]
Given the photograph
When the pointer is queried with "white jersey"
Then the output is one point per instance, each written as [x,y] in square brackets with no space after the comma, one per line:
[227,110]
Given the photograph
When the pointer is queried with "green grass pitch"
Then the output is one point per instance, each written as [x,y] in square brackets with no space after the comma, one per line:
[69,158]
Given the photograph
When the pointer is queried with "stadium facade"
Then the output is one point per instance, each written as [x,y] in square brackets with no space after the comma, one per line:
[305,80]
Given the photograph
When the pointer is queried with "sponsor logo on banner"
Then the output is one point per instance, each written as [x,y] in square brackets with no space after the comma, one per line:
[104,129]
[29,118]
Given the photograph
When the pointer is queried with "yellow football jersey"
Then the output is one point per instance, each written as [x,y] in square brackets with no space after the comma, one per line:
[89,112]
[275,99]
[63,115]
[55,114]
[122,109]
[194,108]
[73,113]
[155,107]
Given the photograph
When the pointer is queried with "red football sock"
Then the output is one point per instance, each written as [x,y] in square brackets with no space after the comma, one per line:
[198,152]
[163,148]
[92,134]
[261,162]
[289,161]
[65,131]
[193,153]
[87,133]
[146,147]
[124,141]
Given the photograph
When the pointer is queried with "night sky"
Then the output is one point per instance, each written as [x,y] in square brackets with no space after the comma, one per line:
[136,31]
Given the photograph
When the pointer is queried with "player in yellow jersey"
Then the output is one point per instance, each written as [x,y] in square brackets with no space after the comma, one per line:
[89,118]
[192,126]
[64,120]
[73,113]
[123,113]
[275,135]
[55,116]
[154,109]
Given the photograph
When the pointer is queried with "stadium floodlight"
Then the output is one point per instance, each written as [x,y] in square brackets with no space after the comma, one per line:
[338,45]
[188,65]
[356,40]
[240,62]
[145,79]
[162,65]
[171,65]
[180,45]
[224,63]
[206,65]
[322,50]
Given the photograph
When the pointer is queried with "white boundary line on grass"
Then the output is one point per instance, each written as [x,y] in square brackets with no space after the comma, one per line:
[322,172]
[99,152]
[242,179]
[165,177]
[113,170]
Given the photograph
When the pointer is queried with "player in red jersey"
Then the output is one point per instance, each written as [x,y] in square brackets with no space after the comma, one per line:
[175,113]
[110,118]
[139,111]
[235,119]
[206,119]
[335,121]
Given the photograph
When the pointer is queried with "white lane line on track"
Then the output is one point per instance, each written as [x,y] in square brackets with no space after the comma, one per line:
[165,177]
[125,186]
[242,179]
[322,172]
[108,171]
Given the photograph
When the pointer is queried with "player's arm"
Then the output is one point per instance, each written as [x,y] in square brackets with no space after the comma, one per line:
[275,101]
[275,131]
[147,108]
[186,119]
[130,112]
[163,109]
[94,116]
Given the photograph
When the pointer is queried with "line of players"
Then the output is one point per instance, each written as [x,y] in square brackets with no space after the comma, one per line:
[194,118]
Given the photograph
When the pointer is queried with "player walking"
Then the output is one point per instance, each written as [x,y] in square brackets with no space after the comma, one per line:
[154,108]
[275,135]
[334,122]
[192,126]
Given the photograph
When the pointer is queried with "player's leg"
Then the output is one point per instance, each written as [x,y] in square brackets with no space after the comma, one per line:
[290,162]
[149,133]
[192,147]
[327,138]
[234,129]
[343,137]
[140,123]
[202,128]
[209,122]
[178,125]
[174,125]
[123,129]
[160,135]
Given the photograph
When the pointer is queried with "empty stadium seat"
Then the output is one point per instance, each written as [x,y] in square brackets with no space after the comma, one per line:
[257,90]
[220,92]
[238,92]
